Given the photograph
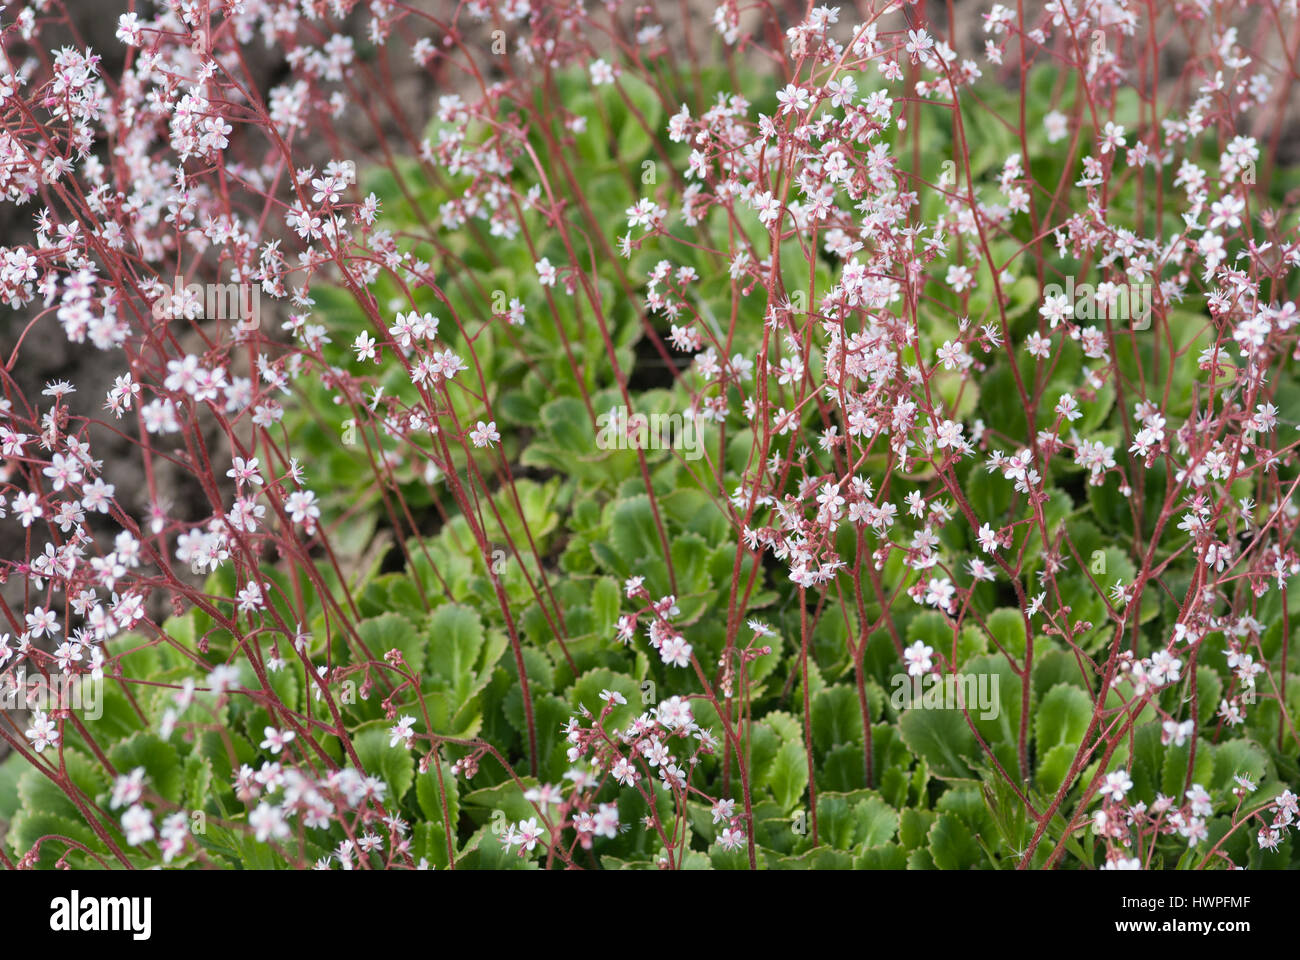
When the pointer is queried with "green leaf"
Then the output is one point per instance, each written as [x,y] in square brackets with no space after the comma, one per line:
[1239,757]
[914,827]
[394,765]
[160,760]
[30,826]
[1053,766]
[507,797]
[605,601]
[876,820]
[635,133]
[633,533]
[951,844]
[11,771]
[392,631]
[456,639]
[887,856]
[430,794]
[587,689]
[786,725]
[836,717]
[1007,627]
[836,825]
[198,780]
[1174,773]
[943,739]
[789,776]
[1062,717]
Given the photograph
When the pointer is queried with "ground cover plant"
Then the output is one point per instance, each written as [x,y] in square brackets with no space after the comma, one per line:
[837,438]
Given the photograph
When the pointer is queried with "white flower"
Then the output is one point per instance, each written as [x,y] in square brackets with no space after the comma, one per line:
[605,821]
[43,732]
[127,788]
[485,434]
[137,824]
[731,839]
[1117,784]
[268,823]
[1057,126]
[949,434]
[918,659]
[302,507]
[400,732]
[276,740]
[1176,733]
[1199,798]
[530,833]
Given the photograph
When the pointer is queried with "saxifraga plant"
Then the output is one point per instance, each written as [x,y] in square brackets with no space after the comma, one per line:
[820,443]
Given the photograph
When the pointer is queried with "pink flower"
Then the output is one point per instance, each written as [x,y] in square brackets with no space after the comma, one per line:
[485,434]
